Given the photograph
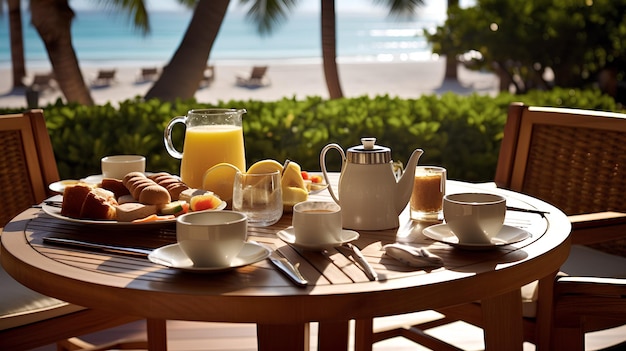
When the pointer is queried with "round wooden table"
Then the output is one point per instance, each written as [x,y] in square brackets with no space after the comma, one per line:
[339,290]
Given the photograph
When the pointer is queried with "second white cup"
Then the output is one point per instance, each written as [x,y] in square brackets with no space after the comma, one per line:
[118,166]
[317,222]
[474,218]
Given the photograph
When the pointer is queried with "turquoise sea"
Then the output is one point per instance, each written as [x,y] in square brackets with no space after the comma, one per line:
[104,36]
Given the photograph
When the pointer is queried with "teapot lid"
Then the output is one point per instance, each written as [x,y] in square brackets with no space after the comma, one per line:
[368,153]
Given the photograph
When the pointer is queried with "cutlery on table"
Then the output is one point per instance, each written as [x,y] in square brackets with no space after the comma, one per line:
[98,247]
[360,259]
[528,210]
[286,267]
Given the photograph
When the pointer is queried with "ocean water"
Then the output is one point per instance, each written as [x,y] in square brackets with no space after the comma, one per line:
[103,36]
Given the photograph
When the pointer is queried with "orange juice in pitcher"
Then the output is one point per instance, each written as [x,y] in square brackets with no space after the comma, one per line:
[212,136]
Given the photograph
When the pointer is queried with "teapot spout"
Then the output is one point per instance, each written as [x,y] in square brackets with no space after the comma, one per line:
[405,184]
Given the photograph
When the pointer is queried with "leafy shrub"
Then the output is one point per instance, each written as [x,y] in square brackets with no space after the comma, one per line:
[461,133]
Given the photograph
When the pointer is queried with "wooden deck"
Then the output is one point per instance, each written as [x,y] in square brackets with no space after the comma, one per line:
[195,336]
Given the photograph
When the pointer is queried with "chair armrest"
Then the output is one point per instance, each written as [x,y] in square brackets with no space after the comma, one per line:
[607,287]
[598,227]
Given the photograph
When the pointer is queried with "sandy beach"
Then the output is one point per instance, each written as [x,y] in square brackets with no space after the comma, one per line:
[401,79]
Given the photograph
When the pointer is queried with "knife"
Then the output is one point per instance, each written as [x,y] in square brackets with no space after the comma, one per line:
[528,210]
[287,268]
[96,246]
[358,257]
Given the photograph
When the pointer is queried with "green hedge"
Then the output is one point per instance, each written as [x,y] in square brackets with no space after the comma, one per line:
[461,133]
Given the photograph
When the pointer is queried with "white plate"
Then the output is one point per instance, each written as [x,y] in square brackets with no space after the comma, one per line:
[507,235]
[59,187]
[55,212]
[287,235]
[172,256]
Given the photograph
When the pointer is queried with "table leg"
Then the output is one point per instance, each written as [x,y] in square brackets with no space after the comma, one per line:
[283,337]
[157,334]
[502,316]
[364,334]
[333,336]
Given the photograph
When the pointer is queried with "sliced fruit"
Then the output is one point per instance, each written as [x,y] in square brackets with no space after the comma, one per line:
[265,166]
[205,202]
[317,179]
[220,179]
[292,176]
[175,208]
[293,195]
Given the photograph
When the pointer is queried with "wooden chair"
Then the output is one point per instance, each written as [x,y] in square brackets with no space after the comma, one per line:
[27,318]
[575,160]
[256,78]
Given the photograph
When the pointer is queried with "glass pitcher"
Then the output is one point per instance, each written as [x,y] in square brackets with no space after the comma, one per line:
[212,136]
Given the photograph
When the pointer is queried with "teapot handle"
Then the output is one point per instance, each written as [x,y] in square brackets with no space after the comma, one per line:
[323,166]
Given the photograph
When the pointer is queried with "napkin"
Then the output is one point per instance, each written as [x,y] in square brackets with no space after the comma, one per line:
[413,256]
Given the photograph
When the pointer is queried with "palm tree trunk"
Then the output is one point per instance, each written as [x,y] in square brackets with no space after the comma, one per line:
[451,62]
[329,53]
[17,43]
[181,77]
[53,21]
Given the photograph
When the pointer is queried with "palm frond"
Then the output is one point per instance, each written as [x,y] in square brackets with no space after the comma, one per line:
[401,7]
[136,12]
[266,14]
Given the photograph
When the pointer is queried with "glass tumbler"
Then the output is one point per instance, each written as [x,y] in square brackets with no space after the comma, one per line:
[429,187]
[259,196]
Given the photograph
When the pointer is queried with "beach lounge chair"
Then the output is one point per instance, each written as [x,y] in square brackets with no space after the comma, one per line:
[43,81]
[256,78]
[104,78]
[148,74]
[208,77]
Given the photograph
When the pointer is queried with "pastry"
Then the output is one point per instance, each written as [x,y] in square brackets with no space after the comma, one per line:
[73,199]
[99,204]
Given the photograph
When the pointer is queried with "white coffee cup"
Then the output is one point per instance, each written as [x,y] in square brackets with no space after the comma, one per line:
[118,166]
[317,222]
[474,218]
[211,238]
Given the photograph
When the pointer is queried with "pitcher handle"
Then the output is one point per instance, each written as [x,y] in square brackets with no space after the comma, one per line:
[167,137]
[323,166]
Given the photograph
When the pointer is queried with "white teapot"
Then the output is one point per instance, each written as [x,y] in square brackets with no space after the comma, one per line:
[370,195]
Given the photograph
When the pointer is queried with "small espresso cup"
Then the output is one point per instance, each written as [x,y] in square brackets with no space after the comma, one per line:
[317,222]
[211,238]
[474,218]
[118,166]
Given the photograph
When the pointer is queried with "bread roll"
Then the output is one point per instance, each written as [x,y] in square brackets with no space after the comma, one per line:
[172,183]
[145,190]
[154,195]
[114,185]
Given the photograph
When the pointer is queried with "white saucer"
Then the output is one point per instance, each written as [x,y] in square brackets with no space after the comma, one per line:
[172,256]
[287,235]
[507,235]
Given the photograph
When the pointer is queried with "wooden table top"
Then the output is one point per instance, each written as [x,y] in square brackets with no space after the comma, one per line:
[338,290]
